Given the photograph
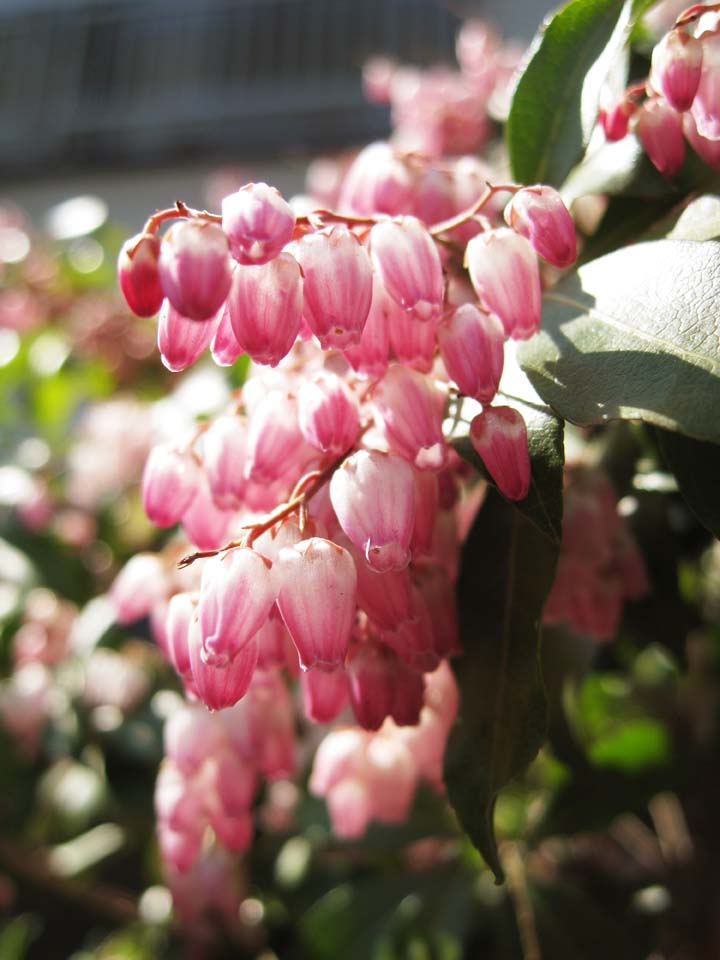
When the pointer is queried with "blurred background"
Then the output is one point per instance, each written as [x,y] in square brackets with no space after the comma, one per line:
[138,101]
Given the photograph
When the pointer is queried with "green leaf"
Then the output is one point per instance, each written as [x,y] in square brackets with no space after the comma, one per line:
[634,746]
[507,570]
[17,935]
[634,335]
[543,504]
[555,103]
[696,467]
[700,220]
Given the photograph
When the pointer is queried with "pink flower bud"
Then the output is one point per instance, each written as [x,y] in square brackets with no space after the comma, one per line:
[499,435]
[377,182]
[258,223]
[410,410]
[339,754]
[328,414]
[224,346]
[138,586]
[660,130]
[179,616]
[405,256]
[438,593]
[381,686]
[235,833]
[614,117]
[349,806]
[276,447]
[221,686]
[194,268]
[538,214]
[413,639]
[325,693]
[385,597]
[265,306]
[236,595]
[276,647]
[706,105]
[472,347]
[138,274]
[170,481]
[179,849]
[205,524]
[191,734]
[707,150]
[181,341]
[676,68]
[391,777]
[373,495]
[178,803]
[223,456]
[504,273]
[337,286]
[412,343]
[426,508]
[370,356]
[435,196]
[310,570]
[234,783]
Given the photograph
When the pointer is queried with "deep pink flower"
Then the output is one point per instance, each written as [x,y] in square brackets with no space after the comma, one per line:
[194,268]
[499,435]
[258,223]
[138,274]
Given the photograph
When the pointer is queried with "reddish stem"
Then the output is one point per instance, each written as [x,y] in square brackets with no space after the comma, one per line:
[459,219]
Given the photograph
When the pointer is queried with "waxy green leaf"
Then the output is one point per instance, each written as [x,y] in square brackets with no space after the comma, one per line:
[634,335]
[507,568]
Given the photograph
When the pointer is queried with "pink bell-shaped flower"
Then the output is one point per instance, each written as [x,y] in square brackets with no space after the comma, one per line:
[206,524]
[412,343]
[313,569]
[707,150]
[539,214]
[275,443]
[257,222]
[179,616]
[170,480]
[325,693]
[221,686]
[138,274]
[265,307]
[410,411]
[676,68]
[660,130]
[224,346]
[406,258]
[337,285]
[194,268]
[504,273]
[385,597]
[706,105]
[236,595]
[381,685]
[223,456]
[328,414]
[370,356]
[180,340]
[499,436]
[426,507]
[377,182]
[472,347]
[138,587]
[373,495]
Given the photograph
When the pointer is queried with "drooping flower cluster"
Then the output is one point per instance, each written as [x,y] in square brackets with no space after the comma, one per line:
[600,565]
[323,503]
[443,111]
[681,95]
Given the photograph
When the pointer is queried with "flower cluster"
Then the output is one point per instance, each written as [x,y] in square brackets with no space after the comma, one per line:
[600,565]
[681,95]
[442,111]
[324,506]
